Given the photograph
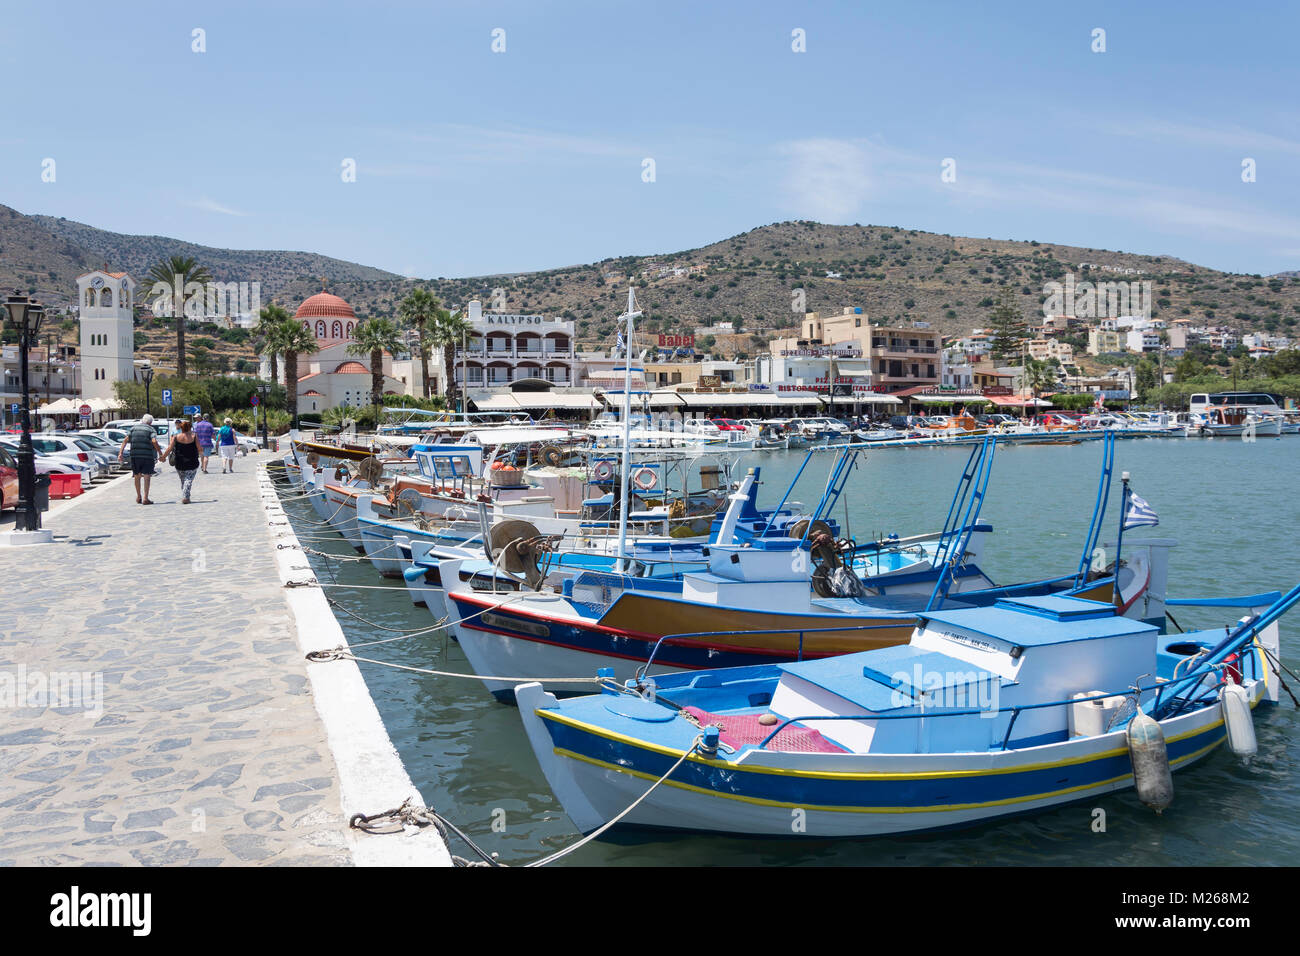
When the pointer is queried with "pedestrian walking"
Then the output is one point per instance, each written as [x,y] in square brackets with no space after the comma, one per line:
[143,442]
[203,432]
[226,442]
[186,449]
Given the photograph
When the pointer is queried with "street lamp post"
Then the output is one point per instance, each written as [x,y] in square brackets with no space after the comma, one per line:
[147,375]
[265,391]
[26,316]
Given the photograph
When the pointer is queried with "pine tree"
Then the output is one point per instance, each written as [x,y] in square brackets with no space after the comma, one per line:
[1007,324]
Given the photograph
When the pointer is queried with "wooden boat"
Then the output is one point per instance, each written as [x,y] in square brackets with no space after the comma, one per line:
[984,713]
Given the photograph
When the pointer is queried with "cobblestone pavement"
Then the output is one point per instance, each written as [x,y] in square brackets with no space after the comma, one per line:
[154,708]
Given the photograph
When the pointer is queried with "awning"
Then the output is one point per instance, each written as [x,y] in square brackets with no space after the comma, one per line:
[949,399]
[657,400]
[762,398]
[863,398]
[62,406]
[490,402]
[569,401]
[1011,401]
[719,399]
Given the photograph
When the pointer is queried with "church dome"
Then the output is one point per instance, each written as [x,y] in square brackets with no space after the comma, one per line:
[324,305]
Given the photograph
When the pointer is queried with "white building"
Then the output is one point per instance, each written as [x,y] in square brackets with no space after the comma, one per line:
[1143,340]
[332,376]
[503,349]
[106,301]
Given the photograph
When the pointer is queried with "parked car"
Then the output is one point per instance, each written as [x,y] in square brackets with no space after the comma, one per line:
[247,443]
[728,424]
[71,450]
[8,480]
[50,464]
[98,454]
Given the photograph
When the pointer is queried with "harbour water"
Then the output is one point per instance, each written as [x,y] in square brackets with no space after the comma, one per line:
[1231,505]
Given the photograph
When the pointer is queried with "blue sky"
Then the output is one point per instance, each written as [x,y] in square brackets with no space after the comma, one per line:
[472,162]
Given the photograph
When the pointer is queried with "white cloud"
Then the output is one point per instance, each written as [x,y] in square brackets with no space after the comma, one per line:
[211,205]
[1226,137]
[826,179]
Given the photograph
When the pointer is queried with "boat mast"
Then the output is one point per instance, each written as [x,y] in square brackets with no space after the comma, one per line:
[627,434]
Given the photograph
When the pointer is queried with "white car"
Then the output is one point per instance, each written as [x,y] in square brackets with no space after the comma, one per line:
[65,447]
[247,443]
[101,445]
[52,464]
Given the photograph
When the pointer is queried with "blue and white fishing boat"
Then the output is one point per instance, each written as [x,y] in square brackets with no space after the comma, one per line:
[782,591]
[986,712]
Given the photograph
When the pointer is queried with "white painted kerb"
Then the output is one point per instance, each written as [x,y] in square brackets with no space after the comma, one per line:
[371,775]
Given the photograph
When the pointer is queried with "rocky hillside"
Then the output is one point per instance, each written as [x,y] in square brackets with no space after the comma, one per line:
[752,279]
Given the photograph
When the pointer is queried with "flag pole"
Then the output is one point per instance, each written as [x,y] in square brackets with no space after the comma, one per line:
[1119,541]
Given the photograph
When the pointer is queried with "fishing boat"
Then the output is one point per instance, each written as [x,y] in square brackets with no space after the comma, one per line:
[783,590]
[986,712]
[1240,421]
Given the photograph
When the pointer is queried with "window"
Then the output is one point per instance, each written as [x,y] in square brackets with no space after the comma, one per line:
[857,323]
[90,298]
[337,329]
[106,297]
[320,329]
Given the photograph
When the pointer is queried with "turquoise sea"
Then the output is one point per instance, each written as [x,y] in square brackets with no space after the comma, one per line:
[1232,506]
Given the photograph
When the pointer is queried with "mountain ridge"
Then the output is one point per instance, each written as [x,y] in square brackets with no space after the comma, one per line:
[762,278]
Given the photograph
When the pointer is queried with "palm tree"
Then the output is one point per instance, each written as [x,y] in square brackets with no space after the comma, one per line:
[373,337]
[294,339]
[418,310]
[448,332]
[270,319]
[1038,376]
[175,273]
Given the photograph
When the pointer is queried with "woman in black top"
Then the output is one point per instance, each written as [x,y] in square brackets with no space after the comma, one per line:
[186,447]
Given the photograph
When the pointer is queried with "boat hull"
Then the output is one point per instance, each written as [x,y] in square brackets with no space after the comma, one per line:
[597,774]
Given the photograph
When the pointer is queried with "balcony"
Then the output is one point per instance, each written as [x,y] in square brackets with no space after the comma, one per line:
[881,347]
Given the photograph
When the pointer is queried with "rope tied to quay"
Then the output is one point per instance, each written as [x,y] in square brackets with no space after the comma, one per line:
[410,817]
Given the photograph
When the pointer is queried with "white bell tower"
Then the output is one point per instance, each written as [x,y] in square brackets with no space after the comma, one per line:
[106,301]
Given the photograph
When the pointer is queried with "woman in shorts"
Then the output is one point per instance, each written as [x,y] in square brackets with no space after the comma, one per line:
[226,445]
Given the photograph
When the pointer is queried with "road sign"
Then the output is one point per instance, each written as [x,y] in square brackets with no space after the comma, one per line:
[14,408]
[255,400]
[167,396]
[192,409]
[84,411]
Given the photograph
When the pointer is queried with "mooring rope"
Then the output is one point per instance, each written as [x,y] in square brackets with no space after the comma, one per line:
[632,806]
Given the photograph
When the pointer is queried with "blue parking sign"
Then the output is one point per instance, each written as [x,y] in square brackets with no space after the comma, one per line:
[167,396]
[14,408]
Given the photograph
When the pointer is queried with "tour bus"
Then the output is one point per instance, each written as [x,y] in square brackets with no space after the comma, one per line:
[1262,403]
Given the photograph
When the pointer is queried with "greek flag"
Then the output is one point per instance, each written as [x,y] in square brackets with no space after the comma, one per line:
[1138,513]
[619,344]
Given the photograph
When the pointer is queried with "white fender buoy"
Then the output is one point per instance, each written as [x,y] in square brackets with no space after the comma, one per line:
[1238,721]
[1152,777]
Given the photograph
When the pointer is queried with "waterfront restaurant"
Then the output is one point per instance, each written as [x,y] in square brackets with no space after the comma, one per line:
[504,349]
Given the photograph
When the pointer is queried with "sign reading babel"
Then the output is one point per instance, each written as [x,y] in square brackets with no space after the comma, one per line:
[677,341]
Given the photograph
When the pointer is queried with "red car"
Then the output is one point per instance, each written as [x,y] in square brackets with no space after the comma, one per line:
[8,480]
[728,424]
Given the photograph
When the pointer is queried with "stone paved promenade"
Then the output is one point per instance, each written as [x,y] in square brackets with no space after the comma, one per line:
[208,749]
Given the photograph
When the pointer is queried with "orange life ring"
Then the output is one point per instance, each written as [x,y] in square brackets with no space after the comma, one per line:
[645,479]
[603,471]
